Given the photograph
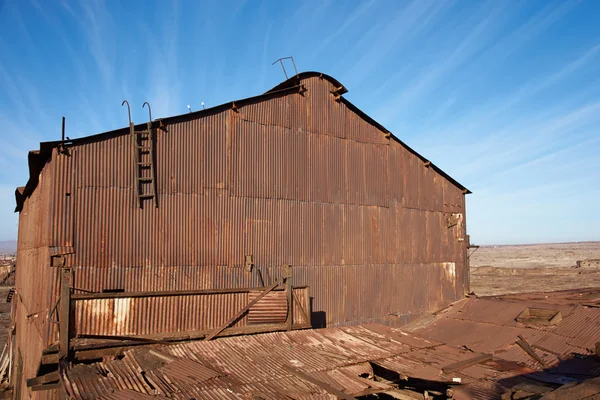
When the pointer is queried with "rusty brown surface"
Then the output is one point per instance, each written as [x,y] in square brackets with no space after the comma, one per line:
[490,325]
[295,179]
[287,177]
[169,315]
[332,363]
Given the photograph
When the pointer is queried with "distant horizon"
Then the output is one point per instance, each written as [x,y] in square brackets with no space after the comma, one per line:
[3,243]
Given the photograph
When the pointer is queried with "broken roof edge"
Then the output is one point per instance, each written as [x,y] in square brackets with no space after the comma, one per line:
[38,158]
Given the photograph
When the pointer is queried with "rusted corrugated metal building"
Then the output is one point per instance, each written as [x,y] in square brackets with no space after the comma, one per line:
[297,176]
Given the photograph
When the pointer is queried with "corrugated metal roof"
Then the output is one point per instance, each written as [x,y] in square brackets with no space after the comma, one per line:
[338,358]
[321,363]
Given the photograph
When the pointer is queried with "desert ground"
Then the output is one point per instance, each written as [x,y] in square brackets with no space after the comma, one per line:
[499,270]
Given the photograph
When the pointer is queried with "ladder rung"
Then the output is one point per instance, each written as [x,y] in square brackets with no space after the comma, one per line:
[144,148]
[144,164]
[142,179]
[146,196]
[144,132]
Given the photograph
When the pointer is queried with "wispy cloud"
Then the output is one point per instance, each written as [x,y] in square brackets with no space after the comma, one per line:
[265,60]
[510,145]
[410,21]
[344,27]
[428,80]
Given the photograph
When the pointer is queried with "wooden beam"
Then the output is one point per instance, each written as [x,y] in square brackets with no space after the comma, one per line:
[466,363]
[326,387]
[64,313]
[290,296]
[40,380]
[116,348]
[243,310]
[46,386]
[523,344]
[112,295]
[118,337]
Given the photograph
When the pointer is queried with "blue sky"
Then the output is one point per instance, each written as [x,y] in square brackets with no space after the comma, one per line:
[504,96]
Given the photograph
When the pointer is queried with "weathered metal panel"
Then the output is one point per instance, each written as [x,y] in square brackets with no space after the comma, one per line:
[191,155]
[296,179]
[62,200]
[271,309]
[168,315]
[324,115]
[33,280]
[157,315]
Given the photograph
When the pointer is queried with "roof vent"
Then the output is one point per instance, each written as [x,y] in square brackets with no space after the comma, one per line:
[539,316]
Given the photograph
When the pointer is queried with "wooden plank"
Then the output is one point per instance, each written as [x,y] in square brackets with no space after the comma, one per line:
[457,366]
[64,313]
[112,295]
[118,337]
[523,344]
[116,348]
[243,310]
[290,296]
[326,387]
[40,380]
[47,386]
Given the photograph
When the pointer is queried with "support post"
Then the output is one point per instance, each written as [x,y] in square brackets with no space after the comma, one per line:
[64,313]
[287,270]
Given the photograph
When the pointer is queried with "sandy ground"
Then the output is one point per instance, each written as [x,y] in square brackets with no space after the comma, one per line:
[533,268]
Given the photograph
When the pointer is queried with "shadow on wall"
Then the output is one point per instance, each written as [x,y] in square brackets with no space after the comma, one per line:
[318,319]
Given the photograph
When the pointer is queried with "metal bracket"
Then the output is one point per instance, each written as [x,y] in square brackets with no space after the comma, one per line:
[57,260]
[280,60]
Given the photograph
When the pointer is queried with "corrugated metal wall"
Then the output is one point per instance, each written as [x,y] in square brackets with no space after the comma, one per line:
[35,282]
[298,179]
[295,179]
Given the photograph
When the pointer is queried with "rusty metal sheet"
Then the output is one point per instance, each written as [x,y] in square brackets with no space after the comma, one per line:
[289,178]
[271,309]
[167,315]
[488,325]
[298,364]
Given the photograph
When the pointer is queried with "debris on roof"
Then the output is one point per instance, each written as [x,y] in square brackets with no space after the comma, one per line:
[477,348]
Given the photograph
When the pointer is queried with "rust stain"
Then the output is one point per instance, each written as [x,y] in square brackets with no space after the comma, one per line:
[355,211]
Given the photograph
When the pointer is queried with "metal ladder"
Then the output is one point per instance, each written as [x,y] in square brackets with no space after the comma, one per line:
[143,146]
